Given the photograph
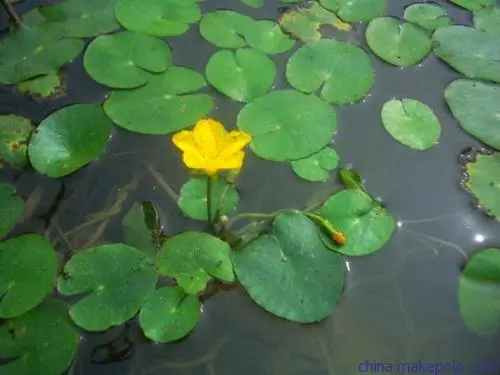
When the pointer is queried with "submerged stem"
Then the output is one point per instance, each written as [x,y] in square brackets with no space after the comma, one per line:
[12,12]
[258,215]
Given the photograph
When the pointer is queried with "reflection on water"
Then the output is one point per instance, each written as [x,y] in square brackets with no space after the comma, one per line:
[400,304]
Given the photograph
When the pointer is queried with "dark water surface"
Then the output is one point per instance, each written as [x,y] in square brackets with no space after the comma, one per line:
[400,304]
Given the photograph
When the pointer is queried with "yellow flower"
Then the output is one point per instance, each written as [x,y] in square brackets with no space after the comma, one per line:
[210,148]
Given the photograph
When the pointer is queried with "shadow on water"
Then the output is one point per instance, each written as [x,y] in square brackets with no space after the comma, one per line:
[400,304]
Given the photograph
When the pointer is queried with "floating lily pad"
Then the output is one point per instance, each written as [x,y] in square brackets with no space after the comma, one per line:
[479,292]
[116,280]
[411,123]
[366,225]
[400,44]
[41,341]
[290,272]
[484,182]
[43,86]
[488,20]
[68,139]
[193,197]
[169,314]
[243,75]
[475,105]
[280,125]
[474,4]
[266,36]
[83,19]
[254,3]
[472,52]
[126,59]
[342,70]
[158,17]
[356,10]
[316,167]
[140,228]
[11,208]
[14,134]
[225,28]
[163,105]
[430,16]
[28,268]
[28,52]
[193,258]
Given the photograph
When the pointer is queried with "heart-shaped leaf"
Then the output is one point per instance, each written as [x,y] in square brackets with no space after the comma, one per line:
[430,16]
[473,4]
[42,86]
[266,36]
[225,28]
[141,228]
[116,280]
[488,20]
[355,10]
[316,167]
[11,208]
[14,134]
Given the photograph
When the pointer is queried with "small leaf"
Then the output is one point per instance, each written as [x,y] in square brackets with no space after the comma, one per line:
[474,5]
[479,292]
[193,258]
[126,59]
[225,28]
[116,279]
[193,198]
[366,225]
[472,52]
[163,105]
[356,10]
[68,139]
[290,272]
[400,44]
[484,182]
[280,124]
[158,17]
[43,86]
[11,208]
[475,105]
[316,167]
[488,20]
[137,232]
[243,75]
[28,268]
[430,16]
[83,19]
[411,123]
[41,341]
[266,36]
[342,70]
[351,179]
[169,314]
[14,134]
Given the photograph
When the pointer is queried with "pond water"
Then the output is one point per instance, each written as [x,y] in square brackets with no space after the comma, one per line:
[400,304]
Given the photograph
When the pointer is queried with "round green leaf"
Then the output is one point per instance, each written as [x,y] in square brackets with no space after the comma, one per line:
[343,70]
[398,44]
[474,4]
[68,139]
[484,182]
[243,75]
[42,86]
[254,3]
[28,52]
[281,125]
[224,28]
[355,10]
[124,60]
[488,20]
[411,123]
[11,208]
[472,52]
[193,197]
[116,279]
[162,105]
[475,105]
[430,16]
[169,314]
[366,225]
[140,228]
[83,19]
[266,36]
[41,341]
[193,258]
[290,272]
[479,292]
[316,167]
[28,267]
[14,134]
[158,17]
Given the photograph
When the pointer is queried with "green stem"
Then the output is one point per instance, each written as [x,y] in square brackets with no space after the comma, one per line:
[258,215]
[209,199]
[323,222]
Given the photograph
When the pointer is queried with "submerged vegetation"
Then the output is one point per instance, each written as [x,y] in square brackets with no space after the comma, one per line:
[290,262]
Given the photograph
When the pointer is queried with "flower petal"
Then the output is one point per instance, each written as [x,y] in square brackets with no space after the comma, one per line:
[208,135]
[184,140]
[234,142]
